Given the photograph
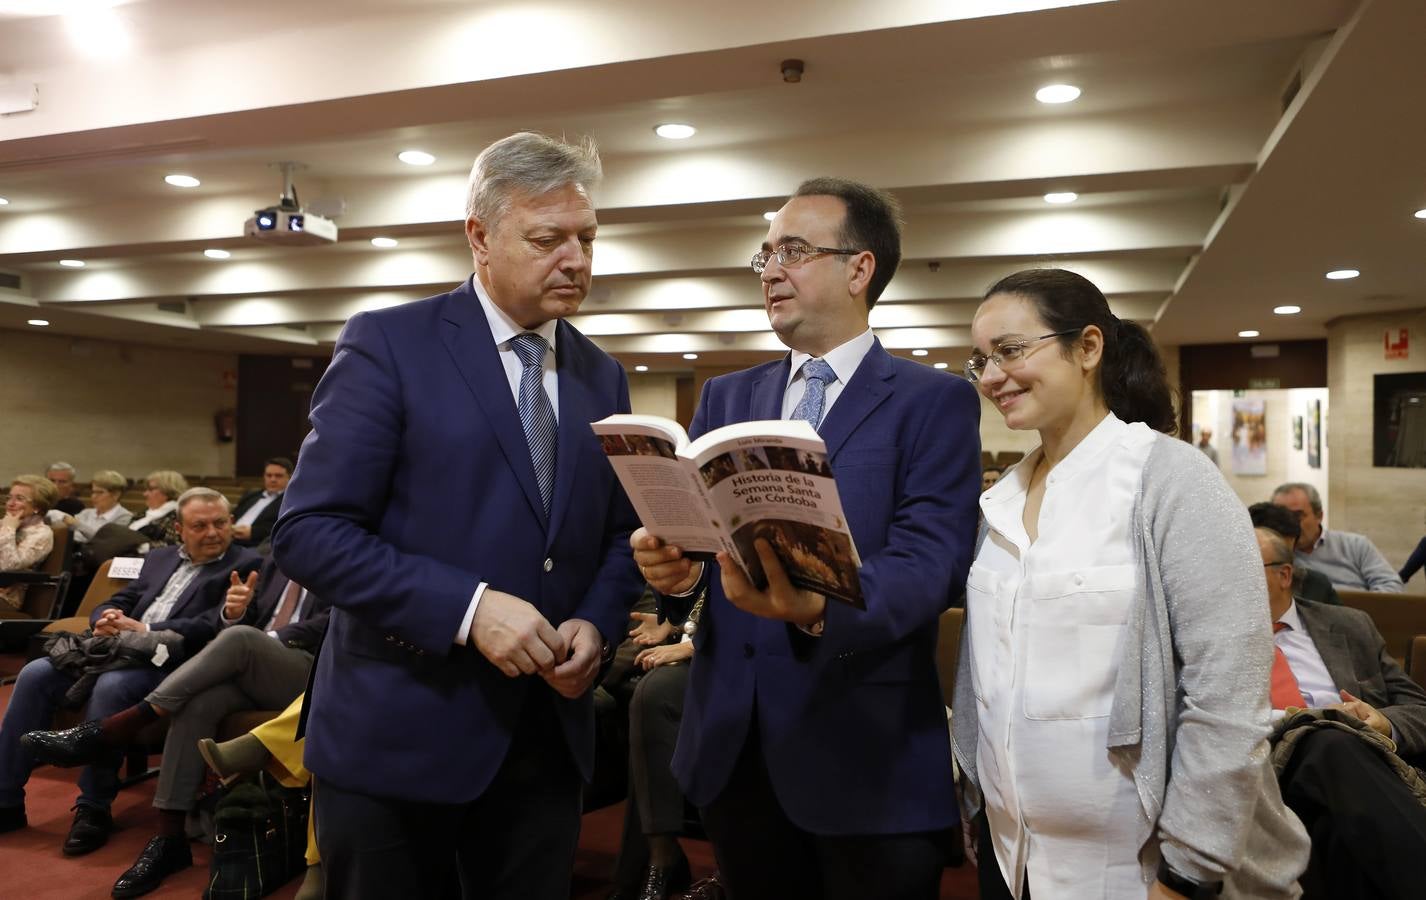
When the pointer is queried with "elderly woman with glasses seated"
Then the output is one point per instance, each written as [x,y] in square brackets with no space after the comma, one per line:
[159,523]
[25,539]
[1111,712]
[105,490]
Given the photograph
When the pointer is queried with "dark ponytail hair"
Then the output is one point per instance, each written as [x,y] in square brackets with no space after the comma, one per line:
[1132,378]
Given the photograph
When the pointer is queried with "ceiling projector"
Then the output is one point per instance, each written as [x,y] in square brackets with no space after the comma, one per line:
[287,223]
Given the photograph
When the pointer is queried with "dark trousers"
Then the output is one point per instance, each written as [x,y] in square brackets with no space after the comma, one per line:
[515,841]
[1368,831]
[655,804]
[991,881]
[762,854]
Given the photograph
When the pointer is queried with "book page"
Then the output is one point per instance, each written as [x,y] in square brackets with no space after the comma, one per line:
[660,484]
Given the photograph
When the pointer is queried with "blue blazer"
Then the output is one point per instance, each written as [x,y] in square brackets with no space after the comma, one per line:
[193,616]
[851,724]
[415,485]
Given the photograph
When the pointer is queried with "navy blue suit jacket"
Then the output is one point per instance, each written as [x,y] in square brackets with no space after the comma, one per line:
[415,485]
[852,724]
[193,615]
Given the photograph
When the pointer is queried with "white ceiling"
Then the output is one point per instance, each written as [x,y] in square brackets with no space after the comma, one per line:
[1203,202]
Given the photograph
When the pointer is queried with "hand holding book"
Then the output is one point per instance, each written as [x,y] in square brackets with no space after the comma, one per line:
[781,600]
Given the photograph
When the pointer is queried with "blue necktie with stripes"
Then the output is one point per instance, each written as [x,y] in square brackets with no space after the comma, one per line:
[816,374]
[537,416]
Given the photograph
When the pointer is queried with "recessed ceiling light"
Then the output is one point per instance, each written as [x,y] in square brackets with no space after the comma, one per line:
[770,215]
[1249,333]
[1057,93]
[72,263]
[675,131]
[641,368]
[415,157]
[1342,274]
[4,202]
[1286,310]
[920,352]
[943,365]
[1061,197]
[384,243]
[215,253]
[183,181]
[690,356]
[1420,213]
[38,323]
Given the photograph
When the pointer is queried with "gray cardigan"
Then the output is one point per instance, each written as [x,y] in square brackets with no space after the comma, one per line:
[1190,715]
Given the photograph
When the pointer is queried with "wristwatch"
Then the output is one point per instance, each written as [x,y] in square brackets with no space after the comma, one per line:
[1194,890]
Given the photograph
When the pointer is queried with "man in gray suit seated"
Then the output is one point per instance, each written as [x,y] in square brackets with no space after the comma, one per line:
[1352,792]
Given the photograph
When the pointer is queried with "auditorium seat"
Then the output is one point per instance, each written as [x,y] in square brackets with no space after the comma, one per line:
[1399,617]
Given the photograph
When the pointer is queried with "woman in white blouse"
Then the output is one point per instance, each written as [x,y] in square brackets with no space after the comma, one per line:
[106,488]
[159,523]
[1111,711]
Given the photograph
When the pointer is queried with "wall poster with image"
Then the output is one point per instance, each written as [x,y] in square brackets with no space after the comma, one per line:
[1297,432]
[1250,436]
[1314,434]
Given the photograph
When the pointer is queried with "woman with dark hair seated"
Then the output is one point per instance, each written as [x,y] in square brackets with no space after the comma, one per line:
[1111,712]
[25,539]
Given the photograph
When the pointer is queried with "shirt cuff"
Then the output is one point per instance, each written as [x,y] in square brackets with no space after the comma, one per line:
[463,636]
[696,582]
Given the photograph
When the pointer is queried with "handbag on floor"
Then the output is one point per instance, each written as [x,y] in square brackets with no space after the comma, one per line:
[259,840]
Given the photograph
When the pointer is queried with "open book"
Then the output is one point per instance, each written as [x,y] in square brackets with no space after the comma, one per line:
[733,485]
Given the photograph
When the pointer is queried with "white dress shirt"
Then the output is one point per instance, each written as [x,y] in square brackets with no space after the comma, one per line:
[1046,624]
[502,329]
[1313,679]
[250,516]
[844,360]
[89,520]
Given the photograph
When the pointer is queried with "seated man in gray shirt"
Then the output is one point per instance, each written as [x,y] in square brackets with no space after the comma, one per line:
[1351,561]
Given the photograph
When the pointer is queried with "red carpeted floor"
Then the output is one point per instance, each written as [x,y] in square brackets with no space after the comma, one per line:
[32,867]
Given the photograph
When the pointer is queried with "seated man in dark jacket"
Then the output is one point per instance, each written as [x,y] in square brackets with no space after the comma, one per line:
[1367,826]
[179,589]
[268,628]
[256,511]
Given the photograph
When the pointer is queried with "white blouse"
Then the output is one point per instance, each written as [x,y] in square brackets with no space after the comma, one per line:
[1046,634]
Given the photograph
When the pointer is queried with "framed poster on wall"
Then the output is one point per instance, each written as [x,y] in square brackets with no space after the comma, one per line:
[1250,436]
[1297,432]
[1314,433]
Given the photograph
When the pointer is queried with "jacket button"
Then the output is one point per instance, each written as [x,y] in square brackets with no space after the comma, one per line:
[748,651]
[549,564]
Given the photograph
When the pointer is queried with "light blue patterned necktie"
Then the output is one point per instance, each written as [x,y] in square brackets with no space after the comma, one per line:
[537,416]
[816,374]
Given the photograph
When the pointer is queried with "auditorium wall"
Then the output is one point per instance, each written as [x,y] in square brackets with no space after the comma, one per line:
[1385,504]
[1283,460]
[654,394]
[108,405]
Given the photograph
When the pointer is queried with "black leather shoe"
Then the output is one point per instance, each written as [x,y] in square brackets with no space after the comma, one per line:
[77,746]
[662,883]
[161,858]
[89,832]
[12,818]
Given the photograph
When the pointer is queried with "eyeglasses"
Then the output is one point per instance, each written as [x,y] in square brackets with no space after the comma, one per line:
[1275,565]
[792,254]
[1008,354]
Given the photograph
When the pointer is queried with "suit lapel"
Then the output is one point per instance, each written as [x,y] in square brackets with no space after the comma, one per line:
[869,387]
[1332,646]
[574,403]
[768,391]
[468,340]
